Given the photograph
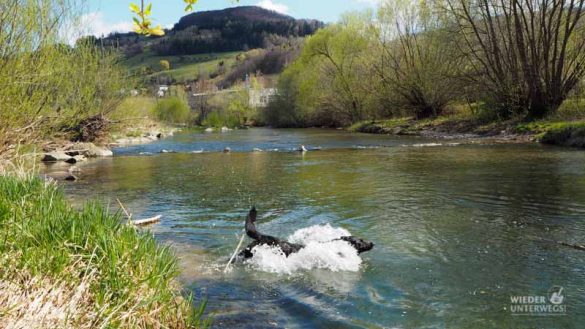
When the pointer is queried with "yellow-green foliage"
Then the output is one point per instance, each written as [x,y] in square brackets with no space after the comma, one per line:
[229,110]
[134,113]
[134,108]
[47,85]
[165,64]
[332,82]
[172,110]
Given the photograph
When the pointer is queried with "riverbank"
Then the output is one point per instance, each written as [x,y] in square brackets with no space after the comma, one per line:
[564,133]
[67,268]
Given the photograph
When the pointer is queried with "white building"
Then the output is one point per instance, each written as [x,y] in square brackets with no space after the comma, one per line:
[261,98]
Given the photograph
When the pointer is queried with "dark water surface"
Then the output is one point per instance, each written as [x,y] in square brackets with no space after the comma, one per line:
[459,229]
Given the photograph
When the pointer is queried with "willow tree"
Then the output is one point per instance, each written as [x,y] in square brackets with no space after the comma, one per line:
[417,64]
[341,55]
[529,53]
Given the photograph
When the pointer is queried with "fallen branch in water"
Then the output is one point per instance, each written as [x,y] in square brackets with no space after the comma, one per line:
[574,246]
[566,244]
[147,221]
[139,222]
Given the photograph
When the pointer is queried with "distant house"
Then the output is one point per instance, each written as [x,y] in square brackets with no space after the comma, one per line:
[162,91]
[262,97]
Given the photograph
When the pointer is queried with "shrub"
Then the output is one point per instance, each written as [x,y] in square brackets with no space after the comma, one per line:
[173,110]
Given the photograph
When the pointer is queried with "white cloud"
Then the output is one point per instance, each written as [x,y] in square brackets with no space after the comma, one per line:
[278,7]
[94,24]
[91,24]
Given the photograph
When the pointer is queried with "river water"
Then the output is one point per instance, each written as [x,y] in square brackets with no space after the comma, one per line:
[459,228]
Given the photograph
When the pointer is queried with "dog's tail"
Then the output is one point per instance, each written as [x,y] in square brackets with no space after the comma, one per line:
[250,224]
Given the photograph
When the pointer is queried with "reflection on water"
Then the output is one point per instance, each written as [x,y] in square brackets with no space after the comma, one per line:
[458,229]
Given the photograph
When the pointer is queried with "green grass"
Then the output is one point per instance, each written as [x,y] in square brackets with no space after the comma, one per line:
[127,279]
[389,123]
[565,133]
[184,67]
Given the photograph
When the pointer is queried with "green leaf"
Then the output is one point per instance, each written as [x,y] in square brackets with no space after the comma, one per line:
[190,4]
[158,31]
[148,9]
[134,8]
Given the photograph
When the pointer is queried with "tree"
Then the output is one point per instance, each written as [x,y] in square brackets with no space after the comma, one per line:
[529,53]
[166,65]
[417,64]
[340,55]
[332,83]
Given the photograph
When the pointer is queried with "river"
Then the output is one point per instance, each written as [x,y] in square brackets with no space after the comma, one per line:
[459,228]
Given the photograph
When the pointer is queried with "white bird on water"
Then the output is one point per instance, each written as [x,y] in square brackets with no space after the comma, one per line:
[303,149]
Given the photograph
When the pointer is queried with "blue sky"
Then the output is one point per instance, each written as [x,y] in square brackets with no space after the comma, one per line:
[105,16]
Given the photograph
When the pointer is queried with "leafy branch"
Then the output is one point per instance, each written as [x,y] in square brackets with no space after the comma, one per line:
[143,20]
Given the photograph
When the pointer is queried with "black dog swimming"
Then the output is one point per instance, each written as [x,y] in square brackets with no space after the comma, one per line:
[287,247]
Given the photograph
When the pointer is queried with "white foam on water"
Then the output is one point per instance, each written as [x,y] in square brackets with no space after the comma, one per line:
[321,251]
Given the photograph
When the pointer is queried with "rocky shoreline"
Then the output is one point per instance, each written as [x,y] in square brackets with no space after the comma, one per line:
[448,131]
[72,154]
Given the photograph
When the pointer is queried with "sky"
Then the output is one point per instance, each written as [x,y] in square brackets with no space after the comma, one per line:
[105,16]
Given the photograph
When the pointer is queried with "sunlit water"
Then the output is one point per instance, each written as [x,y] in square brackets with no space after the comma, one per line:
[458,228]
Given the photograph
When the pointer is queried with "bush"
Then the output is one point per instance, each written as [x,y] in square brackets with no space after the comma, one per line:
[228,110]
[173,110]
[48,86]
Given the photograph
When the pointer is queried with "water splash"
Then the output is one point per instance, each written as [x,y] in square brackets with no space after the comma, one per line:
[322,251]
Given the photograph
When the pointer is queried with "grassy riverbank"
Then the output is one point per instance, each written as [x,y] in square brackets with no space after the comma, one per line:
[566,128]
[67,268]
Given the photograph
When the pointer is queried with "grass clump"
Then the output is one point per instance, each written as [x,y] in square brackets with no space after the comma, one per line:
[566,133]
[60,267]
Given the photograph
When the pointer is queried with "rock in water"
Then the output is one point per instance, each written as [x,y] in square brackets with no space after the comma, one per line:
[209,130]
[99,152]
[71,178]
[92,151]
[55,157]
[76,159]
[227,150]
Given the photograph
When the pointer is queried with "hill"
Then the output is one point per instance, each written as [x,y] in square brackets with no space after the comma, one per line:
[227,30]
[216,19]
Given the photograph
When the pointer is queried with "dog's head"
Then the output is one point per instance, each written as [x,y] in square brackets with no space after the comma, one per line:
[359,244]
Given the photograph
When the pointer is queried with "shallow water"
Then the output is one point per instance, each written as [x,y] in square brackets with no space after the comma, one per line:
[459,229]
